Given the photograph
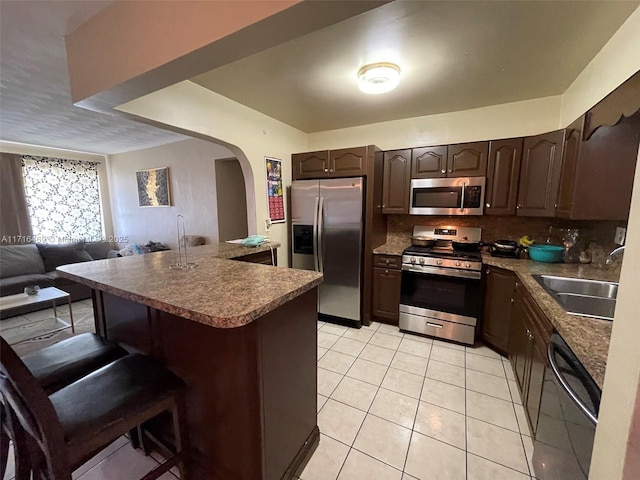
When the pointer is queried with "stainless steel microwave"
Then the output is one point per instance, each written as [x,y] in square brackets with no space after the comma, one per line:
[447,196]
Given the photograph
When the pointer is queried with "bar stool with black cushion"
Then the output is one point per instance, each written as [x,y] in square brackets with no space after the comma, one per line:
[57,366]
[69,427]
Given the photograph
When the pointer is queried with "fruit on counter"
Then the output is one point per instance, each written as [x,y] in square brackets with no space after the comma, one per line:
[525,241]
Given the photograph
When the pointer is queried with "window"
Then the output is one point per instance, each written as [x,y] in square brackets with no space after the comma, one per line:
[63,198]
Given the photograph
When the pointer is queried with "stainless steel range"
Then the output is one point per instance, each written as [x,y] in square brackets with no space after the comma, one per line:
[442,293]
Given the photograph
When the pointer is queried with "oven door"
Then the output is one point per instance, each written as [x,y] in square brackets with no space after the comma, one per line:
[455,299]
[447,196]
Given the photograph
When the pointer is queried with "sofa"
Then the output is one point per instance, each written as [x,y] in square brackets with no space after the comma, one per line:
[35,264]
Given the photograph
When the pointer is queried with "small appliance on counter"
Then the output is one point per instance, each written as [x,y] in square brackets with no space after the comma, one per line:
[504,248]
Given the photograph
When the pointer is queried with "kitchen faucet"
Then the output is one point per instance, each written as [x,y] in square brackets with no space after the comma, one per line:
[615,251]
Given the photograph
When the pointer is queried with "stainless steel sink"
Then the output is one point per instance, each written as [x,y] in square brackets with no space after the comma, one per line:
[588,298]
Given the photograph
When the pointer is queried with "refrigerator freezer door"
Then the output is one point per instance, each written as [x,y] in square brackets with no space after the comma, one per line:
[304,224]
[340,247]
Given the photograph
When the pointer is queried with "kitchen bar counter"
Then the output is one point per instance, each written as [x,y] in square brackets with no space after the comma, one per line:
[242,336]
[220,293]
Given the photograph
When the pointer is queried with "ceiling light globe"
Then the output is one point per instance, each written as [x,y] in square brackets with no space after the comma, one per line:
[378,78]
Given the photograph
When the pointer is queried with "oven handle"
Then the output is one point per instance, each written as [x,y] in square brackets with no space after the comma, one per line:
[462,198]
[445,272]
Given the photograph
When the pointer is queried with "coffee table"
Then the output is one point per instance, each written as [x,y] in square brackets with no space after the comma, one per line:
[49,294]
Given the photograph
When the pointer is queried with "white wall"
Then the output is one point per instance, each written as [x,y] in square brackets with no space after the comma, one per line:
[192,175]
[25,149]
[250,135]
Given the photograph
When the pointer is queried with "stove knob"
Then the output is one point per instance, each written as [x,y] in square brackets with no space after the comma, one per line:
[438,262]
[457,263]
[421,261]
[467,264]
[412,259]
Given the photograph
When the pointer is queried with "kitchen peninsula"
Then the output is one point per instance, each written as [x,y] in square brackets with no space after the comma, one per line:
[243,338]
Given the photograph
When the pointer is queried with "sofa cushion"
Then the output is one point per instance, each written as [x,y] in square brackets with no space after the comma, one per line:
[16,284]
[20,260]
[100,250]
[56,255]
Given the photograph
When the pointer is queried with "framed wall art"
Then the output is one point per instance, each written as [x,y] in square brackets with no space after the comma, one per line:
[275,195]
[153,187]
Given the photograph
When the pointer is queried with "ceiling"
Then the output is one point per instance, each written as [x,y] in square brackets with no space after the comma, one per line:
[35,103]
[454,55]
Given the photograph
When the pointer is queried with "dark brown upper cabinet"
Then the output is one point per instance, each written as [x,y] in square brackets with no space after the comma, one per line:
[467,159]
[540,174]
[503,173]
[310,165]
[429,162]
[396,181]
[600,158]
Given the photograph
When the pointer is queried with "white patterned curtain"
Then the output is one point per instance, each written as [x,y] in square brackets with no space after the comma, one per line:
[63,198]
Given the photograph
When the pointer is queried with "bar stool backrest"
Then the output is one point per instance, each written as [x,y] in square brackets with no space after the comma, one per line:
[28,408]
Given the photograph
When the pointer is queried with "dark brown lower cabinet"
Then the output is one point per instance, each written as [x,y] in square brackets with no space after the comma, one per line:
[528,342]
[386,295]
[500,285]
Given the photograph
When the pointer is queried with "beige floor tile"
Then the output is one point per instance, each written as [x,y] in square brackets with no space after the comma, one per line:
[44,313]
[410,363]
[359,466]
[395,407]
[441,424]
[348,346]
[119,443]
[403,382]
[415,347]
[444,395]
[367,371]
[321,352]
[488,384]
[326,461]
[326,340]
[390,330]
[508,370]
[528,450]
[418,338]
[431,459]
[483,350]
[514,392]
[355,393]
[327,381]
[336,362]
[442,343]
[408,477]
[491,410]
[124,464]
[496,444]
[339,421]
[383,440]
[385,340]
[321,401]
[484,364]
[363,334]
[447,355]
[334,329]
[320,324]
[523,425]
[375,326]
[376,354]
[445,372]
[482,469]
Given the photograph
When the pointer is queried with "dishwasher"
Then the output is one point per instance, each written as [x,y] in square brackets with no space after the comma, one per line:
[568,417]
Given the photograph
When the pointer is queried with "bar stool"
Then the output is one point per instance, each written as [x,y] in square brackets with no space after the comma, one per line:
[69,427]
[55,367]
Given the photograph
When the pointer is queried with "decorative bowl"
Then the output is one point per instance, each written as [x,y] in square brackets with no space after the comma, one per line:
[546,253]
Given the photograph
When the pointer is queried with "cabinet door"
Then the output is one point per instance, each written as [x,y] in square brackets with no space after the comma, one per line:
[519,344]
[571,154]
[429,162]
[503,173]
[310,165]
[497,307]
[467,159]
[540,174]
[396,180]
[348,162]
[386,294]
[536,380]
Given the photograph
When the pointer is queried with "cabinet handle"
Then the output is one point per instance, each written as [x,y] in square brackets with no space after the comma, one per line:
[513,300]
[326,170]
[517,285]
[488,271]
[387,261]
[519,206]
[443,171]
[386,271]
[488,205]
[555,205]
[384,205]
[331,170]
[451,171]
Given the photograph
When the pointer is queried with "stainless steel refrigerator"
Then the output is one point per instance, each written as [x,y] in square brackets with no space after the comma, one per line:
[327,236]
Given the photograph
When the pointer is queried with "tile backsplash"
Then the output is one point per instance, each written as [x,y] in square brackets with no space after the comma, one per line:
[598,234]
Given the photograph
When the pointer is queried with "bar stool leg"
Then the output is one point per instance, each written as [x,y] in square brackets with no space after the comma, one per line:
[73,327]
[183,447]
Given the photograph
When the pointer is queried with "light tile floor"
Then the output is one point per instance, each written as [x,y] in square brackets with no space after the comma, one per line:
[390,407]
[399,406]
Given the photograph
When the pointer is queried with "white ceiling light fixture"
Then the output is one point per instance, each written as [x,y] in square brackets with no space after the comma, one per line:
[378,77]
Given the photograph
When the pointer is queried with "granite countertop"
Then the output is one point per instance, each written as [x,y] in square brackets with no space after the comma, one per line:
[228,250]
[587,337]
[219,292]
